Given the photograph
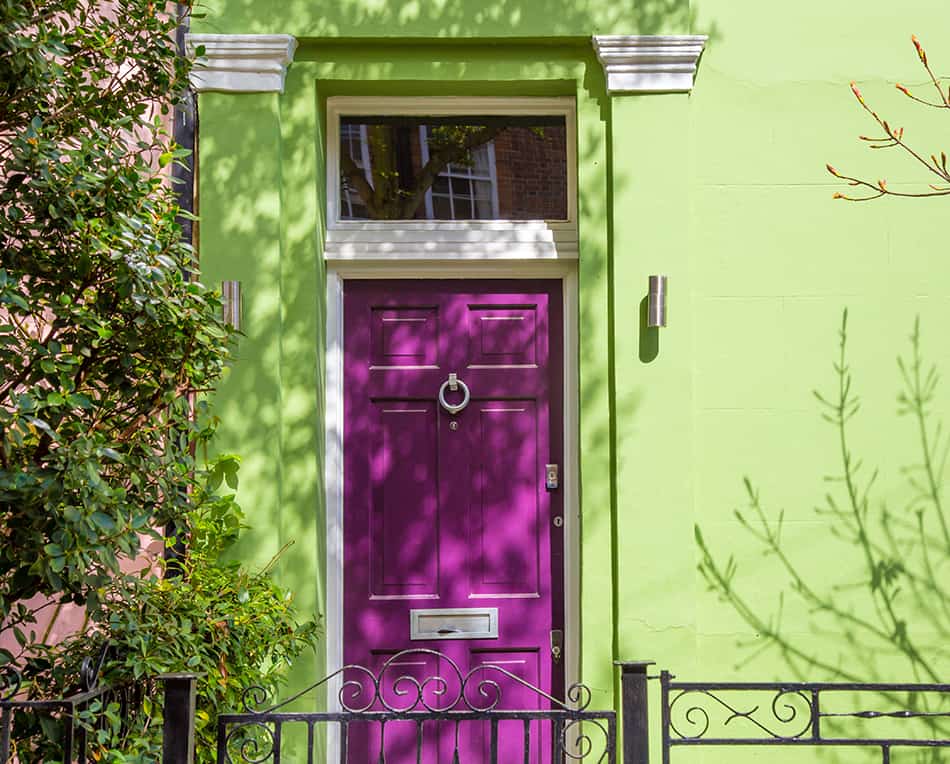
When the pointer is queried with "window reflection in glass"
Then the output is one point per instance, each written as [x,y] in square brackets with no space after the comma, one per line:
[453,168]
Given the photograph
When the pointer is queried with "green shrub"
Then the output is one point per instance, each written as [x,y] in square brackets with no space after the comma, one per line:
[104,330]
[234,627]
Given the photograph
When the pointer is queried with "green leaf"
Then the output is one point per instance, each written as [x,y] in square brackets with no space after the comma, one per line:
[52,728]
[13,298]
[41,424]
[79,400]
[103,522]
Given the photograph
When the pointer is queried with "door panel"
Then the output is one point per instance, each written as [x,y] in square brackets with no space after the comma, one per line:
[505,545]
[450,511]
[503,335]
[403,471]
[404,337]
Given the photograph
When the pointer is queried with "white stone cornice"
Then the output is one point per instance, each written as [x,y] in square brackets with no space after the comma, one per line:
[240,63]
[649,63]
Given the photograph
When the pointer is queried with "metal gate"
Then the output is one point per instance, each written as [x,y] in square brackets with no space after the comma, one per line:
[395,716]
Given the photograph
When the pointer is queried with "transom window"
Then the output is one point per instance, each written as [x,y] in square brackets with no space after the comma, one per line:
[481,167]
[477,175]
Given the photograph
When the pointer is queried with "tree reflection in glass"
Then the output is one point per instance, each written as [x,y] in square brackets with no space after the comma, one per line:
[453,168]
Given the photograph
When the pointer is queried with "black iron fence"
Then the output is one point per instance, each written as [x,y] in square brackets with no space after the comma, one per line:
[885,717]
[403,711]
[419,705]
[66,729]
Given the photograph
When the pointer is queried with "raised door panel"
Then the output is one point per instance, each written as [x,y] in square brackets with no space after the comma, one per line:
[503,336]
[505,515]
[404,472]
[404,337]
[498,674]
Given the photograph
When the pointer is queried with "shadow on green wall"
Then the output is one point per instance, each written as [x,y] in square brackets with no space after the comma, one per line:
[264,219]
[449,18]
[649,347]
[881,611]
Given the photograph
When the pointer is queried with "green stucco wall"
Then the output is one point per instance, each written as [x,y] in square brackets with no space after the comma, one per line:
[723,190]
[261,171]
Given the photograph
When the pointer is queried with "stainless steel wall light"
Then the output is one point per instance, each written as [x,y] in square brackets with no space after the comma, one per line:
[656,302]
[231,307]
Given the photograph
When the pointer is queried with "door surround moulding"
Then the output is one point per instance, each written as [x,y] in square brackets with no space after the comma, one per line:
[340,271]
[240,63]
[649,63]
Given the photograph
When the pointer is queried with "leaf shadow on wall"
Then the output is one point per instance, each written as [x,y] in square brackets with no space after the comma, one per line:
[275,396]
[868,601]
[453,18]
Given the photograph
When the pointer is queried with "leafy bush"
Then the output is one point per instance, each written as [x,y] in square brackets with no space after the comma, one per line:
[103,329]
[234,627]
[105,334]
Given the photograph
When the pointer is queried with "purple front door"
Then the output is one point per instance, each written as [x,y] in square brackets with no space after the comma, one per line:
[453,541]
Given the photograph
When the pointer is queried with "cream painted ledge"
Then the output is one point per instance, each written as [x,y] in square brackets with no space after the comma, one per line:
[649,63]
[240,63]
[481,240]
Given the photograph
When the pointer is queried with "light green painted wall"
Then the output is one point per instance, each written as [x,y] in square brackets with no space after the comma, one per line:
[472,19]
[265,148]
[726,192]
[253,198]
[723,190]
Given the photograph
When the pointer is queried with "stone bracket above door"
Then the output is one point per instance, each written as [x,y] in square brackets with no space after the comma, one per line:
[240,63]
[649,63]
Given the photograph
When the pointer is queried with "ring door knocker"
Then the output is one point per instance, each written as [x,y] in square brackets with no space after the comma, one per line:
[454,383]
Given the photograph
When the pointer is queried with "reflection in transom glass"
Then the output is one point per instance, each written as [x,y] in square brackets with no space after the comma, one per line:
[453,168]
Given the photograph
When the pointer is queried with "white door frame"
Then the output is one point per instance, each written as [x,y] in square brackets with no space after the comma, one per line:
[340,271]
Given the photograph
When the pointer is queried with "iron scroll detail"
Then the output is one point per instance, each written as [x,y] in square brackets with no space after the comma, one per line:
[788,706]
[10,682]
[426,690]
[356,696]
[810,714]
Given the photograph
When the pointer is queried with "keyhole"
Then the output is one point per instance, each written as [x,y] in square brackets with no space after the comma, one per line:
[453,425]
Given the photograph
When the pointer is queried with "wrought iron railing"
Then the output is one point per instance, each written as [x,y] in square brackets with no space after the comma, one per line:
[401,712]
[876,716]
[65,728]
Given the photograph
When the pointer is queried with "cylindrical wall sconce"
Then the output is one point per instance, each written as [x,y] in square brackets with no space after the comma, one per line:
[656,302]
[231,303]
